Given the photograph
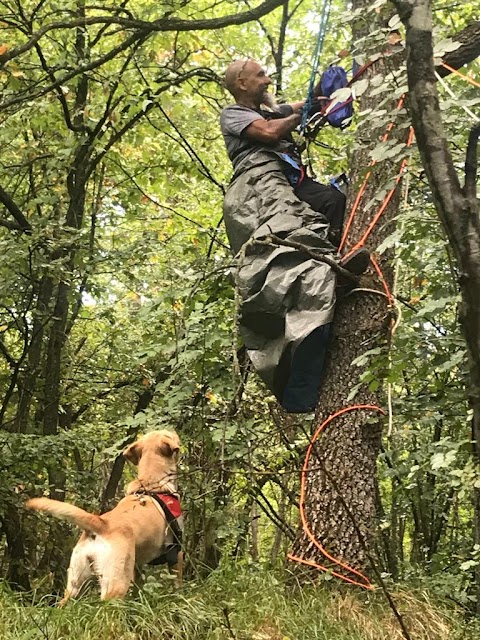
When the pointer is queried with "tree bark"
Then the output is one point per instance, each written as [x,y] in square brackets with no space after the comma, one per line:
[28,382]
[17,573]
[345,454]
[467,52]
[349,446]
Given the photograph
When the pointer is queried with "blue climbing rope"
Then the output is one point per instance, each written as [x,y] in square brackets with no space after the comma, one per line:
[322,31]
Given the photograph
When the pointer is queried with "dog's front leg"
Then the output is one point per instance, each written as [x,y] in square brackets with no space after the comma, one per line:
[177,570]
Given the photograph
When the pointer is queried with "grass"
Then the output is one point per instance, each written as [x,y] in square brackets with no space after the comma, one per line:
[237,603]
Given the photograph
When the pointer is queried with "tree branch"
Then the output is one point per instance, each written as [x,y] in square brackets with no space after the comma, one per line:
[275,240]
[144,111]
[458,213]
[58,90]
[469,51]
[6,354]
[10,224]
[75,72]
[471,164]
[162,25]
[99,396]
[110,105]
[12,208]
[209,232]
[204,170]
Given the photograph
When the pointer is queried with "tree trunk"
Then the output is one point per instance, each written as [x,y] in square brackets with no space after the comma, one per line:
[277,540]
[254,515]
[17,573]
[29,380]
[340,499]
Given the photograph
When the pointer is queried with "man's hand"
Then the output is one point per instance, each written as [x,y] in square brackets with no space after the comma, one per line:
[314,107]
[297,106]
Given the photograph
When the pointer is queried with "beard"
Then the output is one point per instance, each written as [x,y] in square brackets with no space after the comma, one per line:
[269,100]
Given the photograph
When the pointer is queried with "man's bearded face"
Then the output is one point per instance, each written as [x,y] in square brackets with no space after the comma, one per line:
[255,82]
[269,100]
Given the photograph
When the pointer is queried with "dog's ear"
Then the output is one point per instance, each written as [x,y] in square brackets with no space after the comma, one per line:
[133,452]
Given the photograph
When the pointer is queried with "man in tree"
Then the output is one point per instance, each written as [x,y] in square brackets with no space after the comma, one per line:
[288,294]
[245,127]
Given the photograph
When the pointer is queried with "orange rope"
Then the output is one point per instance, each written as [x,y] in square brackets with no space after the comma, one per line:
[382,280]
[367,177]
[374,162]
[320,567]
[462,75]
[364,581]
[366,584]
[386,200]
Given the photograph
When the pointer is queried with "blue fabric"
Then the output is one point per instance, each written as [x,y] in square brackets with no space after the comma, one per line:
[340,183]
[303,386]
[290,161]
[335,78]
[294,170]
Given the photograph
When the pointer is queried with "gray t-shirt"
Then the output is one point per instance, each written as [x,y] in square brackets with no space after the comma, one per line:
[235,118]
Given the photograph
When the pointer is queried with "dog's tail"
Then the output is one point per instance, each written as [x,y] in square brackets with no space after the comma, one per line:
[65,511]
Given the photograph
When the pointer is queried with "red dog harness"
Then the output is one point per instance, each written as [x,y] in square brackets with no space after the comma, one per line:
[173,512]
[169,503]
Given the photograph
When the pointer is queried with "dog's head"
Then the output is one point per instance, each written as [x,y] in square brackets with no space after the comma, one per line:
[165,444]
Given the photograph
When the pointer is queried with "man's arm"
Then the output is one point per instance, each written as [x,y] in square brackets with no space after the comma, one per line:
[271,131]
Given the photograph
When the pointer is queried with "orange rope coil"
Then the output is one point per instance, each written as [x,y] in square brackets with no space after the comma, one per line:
[362,580]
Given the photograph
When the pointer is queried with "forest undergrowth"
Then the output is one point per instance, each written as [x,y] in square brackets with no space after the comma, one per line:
[235,603]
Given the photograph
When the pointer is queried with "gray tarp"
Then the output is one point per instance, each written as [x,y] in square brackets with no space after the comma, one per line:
[286,294]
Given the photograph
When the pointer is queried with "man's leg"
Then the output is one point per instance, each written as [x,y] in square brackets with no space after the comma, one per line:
[326,200]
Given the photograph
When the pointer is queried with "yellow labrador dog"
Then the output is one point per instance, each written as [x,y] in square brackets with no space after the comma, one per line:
[136,532]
